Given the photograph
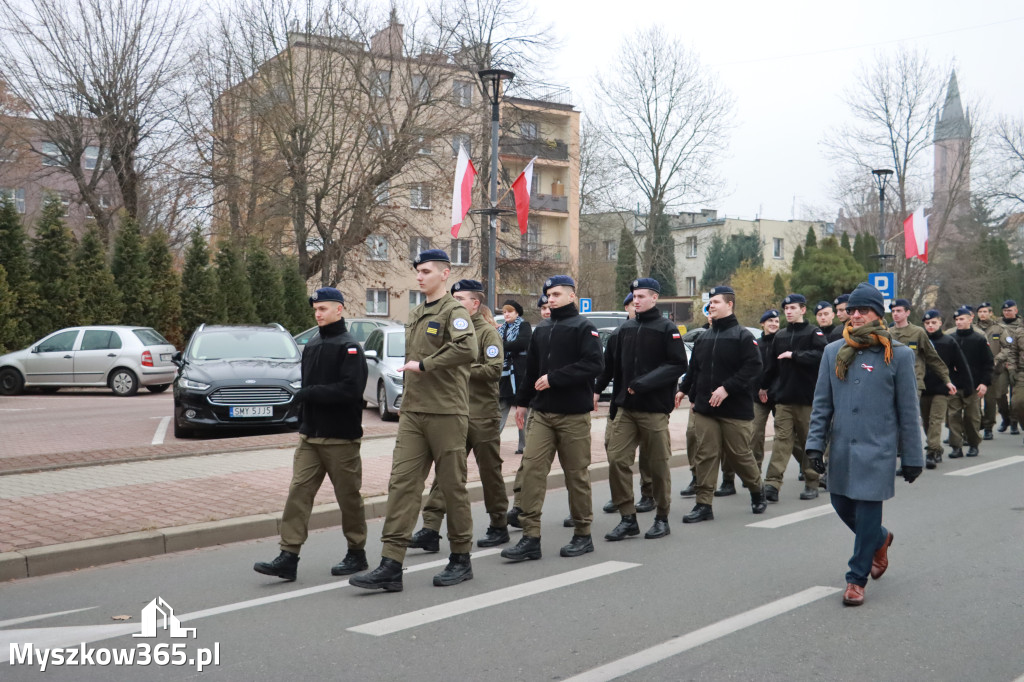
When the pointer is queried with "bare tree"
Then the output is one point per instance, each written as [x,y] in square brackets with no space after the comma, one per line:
[1008,186]
[96,77]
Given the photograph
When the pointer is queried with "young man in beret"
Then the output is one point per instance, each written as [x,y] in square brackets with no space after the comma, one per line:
[965,406]
[440,347]
[1015,327]
[841,317]
[647,359]
[999,339]
[330,433]
[916,339]
[826,318]
[563,360]
[935,397]
[866,409]
[483,435]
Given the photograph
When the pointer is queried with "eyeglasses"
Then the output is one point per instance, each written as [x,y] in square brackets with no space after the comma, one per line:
[863,310]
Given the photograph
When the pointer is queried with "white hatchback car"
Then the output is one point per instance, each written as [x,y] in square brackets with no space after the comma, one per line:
[121,358]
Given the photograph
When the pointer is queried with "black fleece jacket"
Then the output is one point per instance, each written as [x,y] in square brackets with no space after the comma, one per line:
[959,372]
[792,380]
[725,355]
[568,351]
[333,379]
[978,354]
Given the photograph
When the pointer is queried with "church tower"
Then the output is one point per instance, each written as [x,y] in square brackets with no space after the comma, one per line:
[951,191]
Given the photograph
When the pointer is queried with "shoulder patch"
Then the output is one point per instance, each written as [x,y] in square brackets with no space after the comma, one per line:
[594,333]
[353,351]
[460,323]
[820,333]
[675,335]
[1009,339]
[755,341]
[491,351]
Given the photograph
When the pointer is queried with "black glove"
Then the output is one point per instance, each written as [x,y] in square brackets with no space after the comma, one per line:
[816,458]
[910,474]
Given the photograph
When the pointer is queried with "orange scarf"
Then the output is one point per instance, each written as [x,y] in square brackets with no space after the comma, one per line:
[871,334]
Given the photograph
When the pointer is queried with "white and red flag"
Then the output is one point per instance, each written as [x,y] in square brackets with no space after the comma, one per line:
[521,192]
[915,235]
[462,195]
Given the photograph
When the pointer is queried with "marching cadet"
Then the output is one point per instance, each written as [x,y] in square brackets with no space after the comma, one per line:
[719,381]
[935,397]
[483,436]
[646,362]
[841,317]
[545,307]
[999,340]
[826,318]
[1015,326]
[330,433]
[1015,368]
[440,346]
[792,372]
[562,362]
[764,402]
[916,339]
[964,413]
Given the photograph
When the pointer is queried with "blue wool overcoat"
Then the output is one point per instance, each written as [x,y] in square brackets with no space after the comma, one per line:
[866,420]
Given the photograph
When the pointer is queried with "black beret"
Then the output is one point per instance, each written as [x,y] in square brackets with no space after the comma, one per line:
[558,281]
[629,299]
[467,285]
[1009,303]
[721,290]
[900,302]
[769,314]
[510,303]
[431,255]
[326,294]
[841,298]
[794,298]
[645,283]
[821,306]
[964,310]
[984,304]
[931,314]
[542,301]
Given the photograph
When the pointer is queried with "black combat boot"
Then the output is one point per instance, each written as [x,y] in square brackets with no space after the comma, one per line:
[929,461]
[578,546]
[659,530]
[700,512]
[972,451]
[690,490]
[727,488]
[527,548]
[493,537]
[427,540]
[285,566]
[956,453]
[354,561]
[758,502]
[809,493]
[645,504]
[513,517]
[627,527]
[1014,431]
[1005,424]
[567,522]
[609,507]
[458,570]
[987,435]
[771,493]
[387,577]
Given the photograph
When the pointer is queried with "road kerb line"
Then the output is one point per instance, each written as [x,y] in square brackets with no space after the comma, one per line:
[458,607]
[795,517]
[161,431]
[678,645]
[988,466]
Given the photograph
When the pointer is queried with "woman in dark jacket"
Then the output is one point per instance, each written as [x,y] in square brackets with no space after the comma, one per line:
[515,335]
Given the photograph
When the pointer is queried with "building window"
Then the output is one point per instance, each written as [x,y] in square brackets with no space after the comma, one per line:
[377,247]
[92,155]
[611,250]
[378,136]
[460,252]
[383,193]
[462,140]
[16,195]
[418,245]
[104,202]
[691,247]
[8,155]
[691,286]
[462,93]
[52,156]
[528,130]
[416,298]
[381,84]
[424,145]
[778,248]
[590,250]
[376,301]
[419,196]
[420,88]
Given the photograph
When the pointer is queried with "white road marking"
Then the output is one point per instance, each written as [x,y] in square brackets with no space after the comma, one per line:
[73,635]
[795,517]
[161,431]
[413,619]
[41,616]
[988,466]
[678,645]
[22,409]
[1019,679]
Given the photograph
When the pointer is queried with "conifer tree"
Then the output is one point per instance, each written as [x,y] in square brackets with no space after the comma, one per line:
[297,315]
[198,287]
[265,284]
[15,260]
[662,249]
[53,269]
[798,257]
[779,287]
[811,240]
[233,293]
[163,307]
[625,263]
[8,320]
[130,271]
[844,241]
[101,299]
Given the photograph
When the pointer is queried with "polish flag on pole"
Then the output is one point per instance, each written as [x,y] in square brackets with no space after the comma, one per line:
[521,192]
[462,195]
[915,235]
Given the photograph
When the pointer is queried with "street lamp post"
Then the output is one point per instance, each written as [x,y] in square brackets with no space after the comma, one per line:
[492,79]
[881,178]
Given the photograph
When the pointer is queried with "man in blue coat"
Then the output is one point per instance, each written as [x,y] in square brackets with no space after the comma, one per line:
[866,408]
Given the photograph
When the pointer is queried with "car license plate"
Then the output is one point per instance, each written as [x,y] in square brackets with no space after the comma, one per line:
[165,357]
[252,411]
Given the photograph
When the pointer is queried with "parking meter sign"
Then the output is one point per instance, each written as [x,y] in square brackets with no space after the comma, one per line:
[586,305]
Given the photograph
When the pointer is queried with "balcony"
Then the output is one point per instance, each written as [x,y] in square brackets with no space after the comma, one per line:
[552,150]
[535,253]
[540,202]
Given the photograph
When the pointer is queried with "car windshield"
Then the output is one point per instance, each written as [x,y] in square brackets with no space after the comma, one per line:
[150,337]
[396,344]
[247,344]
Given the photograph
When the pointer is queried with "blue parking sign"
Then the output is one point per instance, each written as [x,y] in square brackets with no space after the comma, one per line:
[586,304]
[885,282]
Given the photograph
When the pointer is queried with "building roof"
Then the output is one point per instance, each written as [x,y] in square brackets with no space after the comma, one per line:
[951,123]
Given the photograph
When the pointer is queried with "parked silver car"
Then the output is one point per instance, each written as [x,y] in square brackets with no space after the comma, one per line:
[385,353]
[359,327]
[121,358]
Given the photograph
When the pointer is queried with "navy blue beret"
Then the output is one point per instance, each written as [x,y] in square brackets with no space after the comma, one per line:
[821,306]
[900,302]
[629,299]
[558,281]
[431,255]
[984,304]
[467,285]
[721,290]
[841,298]
[326,294]
[542,301]
[931,314]
[769,314]
[1009,303]
[794,298]
[964,310]
[645,283]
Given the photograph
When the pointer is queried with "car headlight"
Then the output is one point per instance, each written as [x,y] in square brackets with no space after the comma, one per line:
[185,382]
[396,379]
[296,385]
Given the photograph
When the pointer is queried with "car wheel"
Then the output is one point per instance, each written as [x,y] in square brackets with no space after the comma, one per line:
[11,381]
[123,382]
[158,388]
[181,431]
[382,404]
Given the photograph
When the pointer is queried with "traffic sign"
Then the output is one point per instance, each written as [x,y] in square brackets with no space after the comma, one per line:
[885,282]
[586,304]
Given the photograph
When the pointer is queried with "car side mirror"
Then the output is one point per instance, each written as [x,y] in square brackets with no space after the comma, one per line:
[35,349]
[177,358]
[370,354]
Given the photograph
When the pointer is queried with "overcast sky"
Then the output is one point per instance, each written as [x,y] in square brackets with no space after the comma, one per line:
[787,64]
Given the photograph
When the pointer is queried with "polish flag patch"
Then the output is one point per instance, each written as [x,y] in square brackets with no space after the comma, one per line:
[869,368]
[593,333]
[755,342]
[819,333]
[676,336]
[353,351]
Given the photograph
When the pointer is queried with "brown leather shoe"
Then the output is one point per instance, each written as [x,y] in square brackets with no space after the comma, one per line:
[881,560]
[854,595]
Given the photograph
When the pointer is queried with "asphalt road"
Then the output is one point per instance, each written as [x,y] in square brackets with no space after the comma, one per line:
[719,600]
